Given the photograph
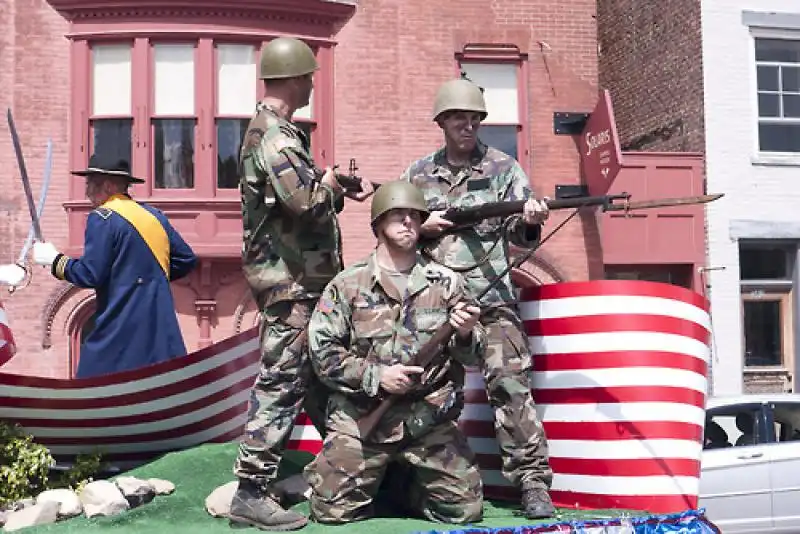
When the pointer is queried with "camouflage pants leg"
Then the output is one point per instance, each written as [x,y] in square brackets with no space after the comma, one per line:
[445,484]
[279,392]
[520,435]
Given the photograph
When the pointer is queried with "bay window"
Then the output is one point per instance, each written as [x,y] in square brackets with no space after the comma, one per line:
[176,110]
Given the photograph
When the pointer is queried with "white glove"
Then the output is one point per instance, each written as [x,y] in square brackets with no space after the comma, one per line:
[11,274]
[44,253]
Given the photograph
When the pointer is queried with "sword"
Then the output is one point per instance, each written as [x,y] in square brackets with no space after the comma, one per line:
[37,229]
[48,171]
[48,168]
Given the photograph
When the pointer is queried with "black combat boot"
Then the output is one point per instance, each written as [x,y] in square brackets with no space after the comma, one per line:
[536,504]
[252,506]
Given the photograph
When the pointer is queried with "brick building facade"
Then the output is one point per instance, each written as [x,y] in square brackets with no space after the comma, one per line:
[649,56]
[89,73]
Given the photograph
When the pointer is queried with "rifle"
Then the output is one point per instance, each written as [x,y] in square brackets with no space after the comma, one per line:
[431,350]
[472,215]
[350,182]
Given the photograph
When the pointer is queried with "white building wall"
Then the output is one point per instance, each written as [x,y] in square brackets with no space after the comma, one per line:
[762,194]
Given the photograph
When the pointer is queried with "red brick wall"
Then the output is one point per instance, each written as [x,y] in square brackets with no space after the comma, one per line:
[390,58]
[34,75]
[393,55]
[650,60]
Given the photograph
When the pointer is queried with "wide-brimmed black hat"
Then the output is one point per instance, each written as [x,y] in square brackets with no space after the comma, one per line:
[101,166]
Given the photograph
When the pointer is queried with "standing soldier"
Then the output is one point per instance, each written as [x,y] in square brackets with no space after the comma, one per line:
[292,248]
[365,334]
[465,172]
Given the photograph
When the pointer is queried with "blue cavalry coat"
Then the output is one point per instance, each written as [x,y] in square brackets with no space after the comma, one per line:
[130,269]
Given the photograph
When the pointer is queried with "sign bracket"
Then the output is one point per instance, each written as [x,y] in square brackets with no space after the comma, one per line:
[569,123]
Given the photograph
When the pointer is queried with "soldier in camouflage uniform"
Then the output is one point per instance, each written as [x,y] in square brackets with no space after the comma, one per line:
[465,172]
[291,250]
[364,334]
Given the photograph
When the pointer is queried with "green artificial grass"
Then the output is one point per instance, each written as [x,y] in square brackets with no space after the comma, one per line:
[198,471]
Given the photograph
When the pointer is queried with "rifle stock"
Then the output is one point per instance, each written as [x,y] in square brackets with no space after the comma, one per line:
[426,355]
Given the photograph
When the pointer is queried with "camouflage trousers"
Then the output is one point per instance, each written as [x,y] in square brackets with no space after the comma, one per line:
[441,481]
[284,385]
[506,369]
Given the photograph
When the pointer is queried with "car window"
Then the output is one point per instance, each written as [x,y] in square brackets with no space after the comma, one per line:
[732,427]
[786,416]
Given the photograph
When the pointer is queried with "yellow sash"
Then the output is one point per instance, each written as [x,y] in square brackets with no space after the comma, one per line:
[148,226]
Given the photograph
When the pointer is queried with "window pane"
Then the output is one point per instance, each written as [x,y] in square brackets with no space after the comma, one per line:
[307,112]
[784,50]
[791,106]
[762,332]
[757,263]
[111,138]
[779,137]
[790,79]
[769,105]
[767,78]
[111,80]
[499,82]
[503,138]
[230,133]
[174,79]
[236,80]
[174,153]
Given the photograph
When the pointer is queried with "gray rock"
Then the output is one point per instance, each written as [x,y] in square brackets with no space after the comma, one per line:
[38,514]
[161,487]
[137,492]
[103,497]
[218,503]
[69,504]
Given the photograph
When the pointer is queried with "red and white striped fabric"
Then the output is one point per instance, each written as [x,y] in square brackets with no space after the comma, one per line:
[7,346]
[620,384]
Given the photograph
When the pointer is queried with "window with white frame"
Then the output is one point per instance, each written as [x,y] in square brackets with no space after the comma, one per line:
[500,90]
[778,82]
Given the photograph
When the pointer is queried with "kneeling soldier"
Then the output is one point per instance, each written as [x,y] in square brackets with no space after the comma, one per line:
[364,335]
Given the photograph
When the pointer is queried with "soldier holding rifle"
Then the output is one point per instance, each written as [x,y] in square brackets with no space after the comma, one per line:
[292,248]
[465,172]
[365,337]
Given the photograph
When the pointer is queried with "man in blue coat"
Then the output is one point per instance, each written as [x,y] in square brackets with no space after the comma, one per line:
[131,254]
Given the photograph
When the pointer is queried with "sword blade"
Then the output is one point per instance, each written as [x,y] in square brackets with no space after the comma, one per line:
[48,172]
[24,175]
[663,202]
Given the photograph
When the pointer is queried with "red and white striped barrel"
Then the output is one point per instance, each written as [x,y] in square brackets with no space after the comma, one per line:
[620,382]
[7,346]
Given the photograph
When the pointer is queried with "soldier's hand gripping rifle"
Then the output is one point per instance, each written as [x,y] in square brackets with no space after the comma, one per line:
[350,182]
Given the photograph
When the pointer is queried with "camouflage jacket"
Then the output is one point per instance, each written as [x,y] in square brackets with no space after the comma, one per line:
[492,177]
[361,324]
[292,243]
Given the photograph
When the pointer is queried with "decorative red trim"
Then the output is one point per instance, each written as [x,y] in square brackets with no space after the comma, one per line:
[80,314]
[323,12]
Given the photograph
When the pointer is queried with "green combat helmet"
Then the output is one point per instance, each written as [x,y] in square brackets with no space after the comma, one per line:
[399,194]
[459,94]
[286,57]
